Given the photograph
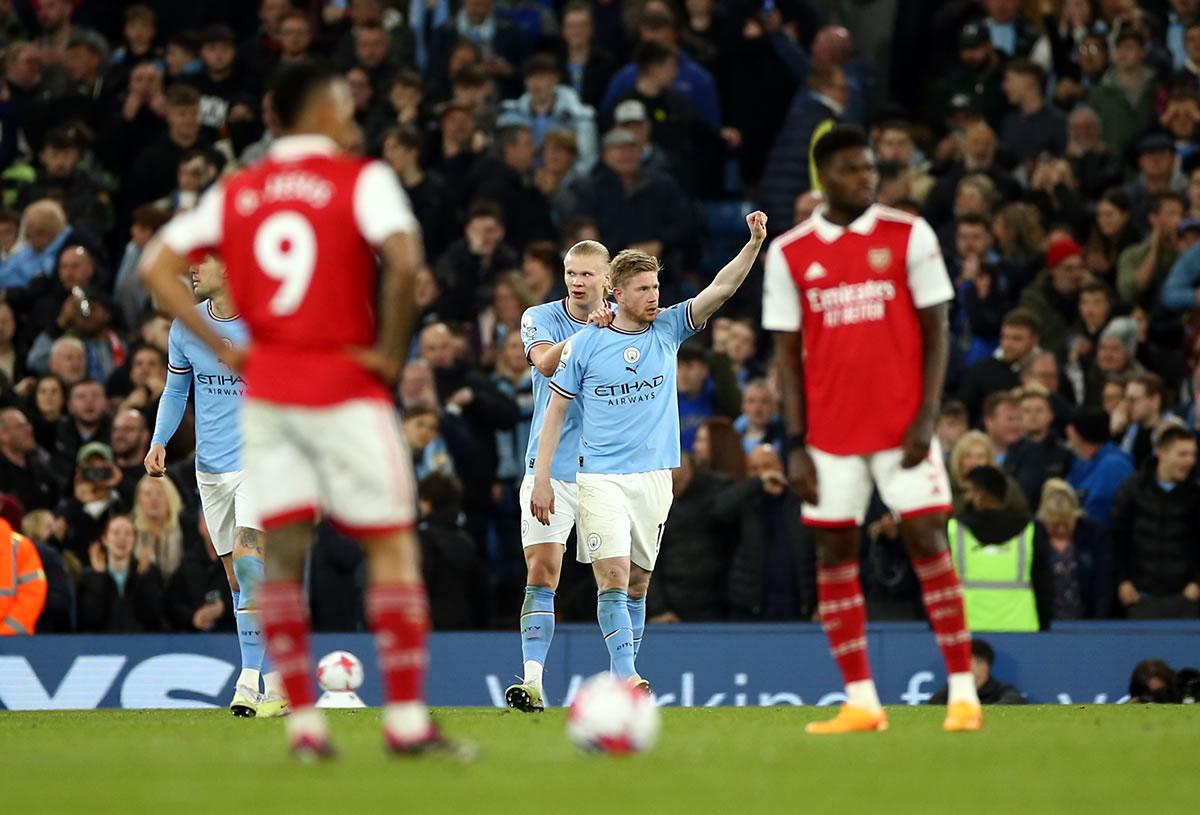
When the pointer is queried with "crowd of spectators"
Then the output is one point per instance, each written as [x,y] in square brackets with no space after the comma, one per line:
[1052,146]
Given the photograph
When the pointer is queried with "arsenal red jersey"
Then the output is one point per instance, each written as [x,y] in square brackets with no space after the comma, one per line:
[297,233]
[853,293]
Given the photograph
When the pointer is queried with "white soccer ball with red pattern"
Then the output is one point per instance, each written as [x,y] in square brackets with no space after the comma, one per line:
[610,716]
[339,671]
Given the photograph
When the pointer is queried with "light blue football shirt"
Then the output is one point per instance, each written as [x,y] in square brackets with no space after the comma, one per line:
[218,394]
[626,382]
[550,324]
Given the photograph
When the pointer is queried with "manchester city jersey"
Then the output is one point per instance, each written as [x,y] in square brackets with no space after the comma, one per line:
[626,383]
[218,393]
[550,324]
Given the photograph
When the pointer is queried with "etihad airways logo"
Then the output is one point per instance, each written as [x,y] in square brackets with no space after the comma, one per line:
[627,393]
[851,303]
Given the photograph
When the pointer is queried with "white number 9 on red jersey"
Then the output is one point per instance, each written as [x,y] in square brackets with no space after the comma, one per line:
[285,248]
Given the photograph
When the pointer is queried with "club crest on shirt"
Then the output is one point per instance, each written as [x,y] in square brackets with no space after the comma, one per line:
[631,355]
[593,541]
[880,258]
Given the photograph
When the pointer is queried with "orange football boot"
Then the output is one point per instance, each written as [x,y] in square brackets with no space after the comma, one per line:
[850,719]
[963,717]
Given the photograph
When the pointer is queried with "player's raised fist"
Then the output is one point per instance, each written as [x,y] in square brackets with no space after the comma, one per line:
[757,221]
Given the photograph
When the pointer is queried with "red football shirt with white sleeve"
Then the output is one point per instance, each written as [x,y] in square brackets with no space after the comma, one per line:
[298,232]
[854,293]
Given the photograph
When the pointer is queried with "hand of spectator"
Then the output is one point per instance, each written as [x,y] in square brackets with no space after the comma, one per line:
[602,316]
[970,268]
[69,313]
[802,474]
[918,438]
[133,104]
[668,617]
[461,397]
[1067,90]
[757,221]
[498,67]
[732,137]
[752,29]
[885,527]
[948,149]
[541,502]
[144,552]
[97,557]
[1128,594]
[1080,348]
[378,363]
[25,386]
[773,482]
[1118,420]
[156,461]
[649,247]
[137,399]
[207,615]
[1192,591]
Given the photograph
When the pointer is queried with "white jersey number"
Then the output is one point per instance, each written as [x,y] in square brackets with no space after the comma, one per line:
[285,248]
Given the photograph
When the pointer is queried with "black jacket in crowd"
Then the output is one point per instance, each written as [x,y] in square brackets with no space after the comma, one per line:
[454,576]
[1032,462]
[103,609]
[1155,533]
[693,560]
[1096,568]
[992,692]
[198,579]
[337,582]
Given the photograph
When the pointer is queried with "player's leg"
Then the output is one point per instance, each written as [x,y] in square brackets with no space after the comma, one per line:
[650,496]
[612,612]
[605,541]
[365,469]
[921,495]
[250,569]
[543,549]
[639,586]
[844,486]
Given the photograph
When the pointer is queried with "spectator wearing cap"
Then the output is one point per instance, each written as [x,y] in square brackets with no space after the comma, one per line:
[1094,166]
[500,44]
[1116,357]
[1157,173]
[978,79]
[46,230]
[1032,127]
[631,115]
[1155,515]
[1143,267]
[1054,294]
[789,172]
[58,175]
[25,469]
[91,496]
[1100,467]
[588,67]
[507,179]
[1124,98]
[634,207]
[657,24]
[548,105]
[156,172]
[432,201]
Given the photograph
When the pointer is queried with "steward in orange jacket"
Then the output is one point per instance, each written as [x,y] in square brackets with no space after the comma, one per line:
[22,583]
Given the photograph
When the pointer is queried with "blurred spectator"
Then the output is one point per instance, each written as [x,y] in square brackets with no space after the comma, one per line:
[1112,233]
[558,172]
[1100,467]
[1153,682]
[1002,422]
[159,524]
[197,595]
[1039,455]
[772,573]
[86,420]
[631,115]
[1116,356]
[1081,556]
[990,689]
[467,270]
[428,449]
[1019,333]
[1020,240]
[58,615]
[588,68]
[431,199]
[547,106]
[25,469]
[507,180]
[737,341]
[12,359]
[130,443]
[1001,557]
[1032,127]
[1155,515]
[974,449]
[759,423]
[541,269]
[156,172]
[59,175]
[1054,295]
[130,295]
[893,141]
[47,406]
[1135,422]
[454,576]
[139,122]
[975,154]
[499,42]
[502,317]
[977,82]
[706,387]
[787,175]
[121,591]
[693,563]
[952,423]
[1094,165]
[68,361]
[718,449]
[1142,268]
[22,584]
[1124,97]
[46,230]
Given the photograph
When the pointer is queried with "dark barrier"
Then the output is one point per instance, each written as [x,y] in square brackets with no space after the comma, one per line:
[690,665]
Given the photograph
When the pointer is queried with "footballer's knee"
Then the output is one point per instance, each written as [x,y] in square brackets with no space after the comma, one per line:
[835,546]
[639,582]
[230,574]
[286,549]
[925,535]
[543,563]
[611,573]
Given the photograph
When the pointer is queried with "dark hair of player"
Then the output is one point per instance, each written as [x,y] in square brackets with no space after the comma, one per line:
[293,89]
[841,137]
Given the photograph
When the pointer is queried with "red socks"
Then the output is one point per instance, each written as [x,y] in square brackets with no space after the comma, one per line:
[942,593]
[398,613]
[284,613]
[844,618]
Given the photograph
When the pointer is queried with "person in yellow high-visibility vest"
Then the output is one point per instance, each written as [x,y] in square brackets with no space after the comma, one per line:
[22,583]
[1001,559]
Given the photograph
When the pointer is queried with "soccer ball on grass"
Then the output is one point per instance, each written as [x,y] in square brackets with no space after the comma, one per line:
[339,671]
[610,716]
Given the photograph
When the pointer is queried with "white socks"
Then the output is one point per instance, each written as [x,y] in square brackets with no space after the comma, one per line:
[962,688]
[249,678]
[272,684]
[863,694]
[533,673]
[407,720]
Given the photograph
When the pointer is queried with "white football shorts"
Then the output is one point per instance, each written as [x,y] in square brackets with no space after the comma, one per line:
[225,499]
[623,515]
[565,516]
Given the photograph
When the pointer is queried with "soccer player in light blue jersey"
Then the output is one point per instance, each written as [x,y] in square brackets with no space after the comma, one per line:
[624,376]
[228,510]
[544,330]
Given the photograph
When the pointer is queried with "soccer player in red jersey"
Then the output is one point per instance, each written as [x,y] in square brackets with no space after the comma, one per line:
[859,294]
[299,233]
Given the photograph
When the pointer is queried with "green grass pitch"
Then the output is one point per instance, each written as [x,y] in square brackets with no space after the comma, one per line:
[1041,759]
